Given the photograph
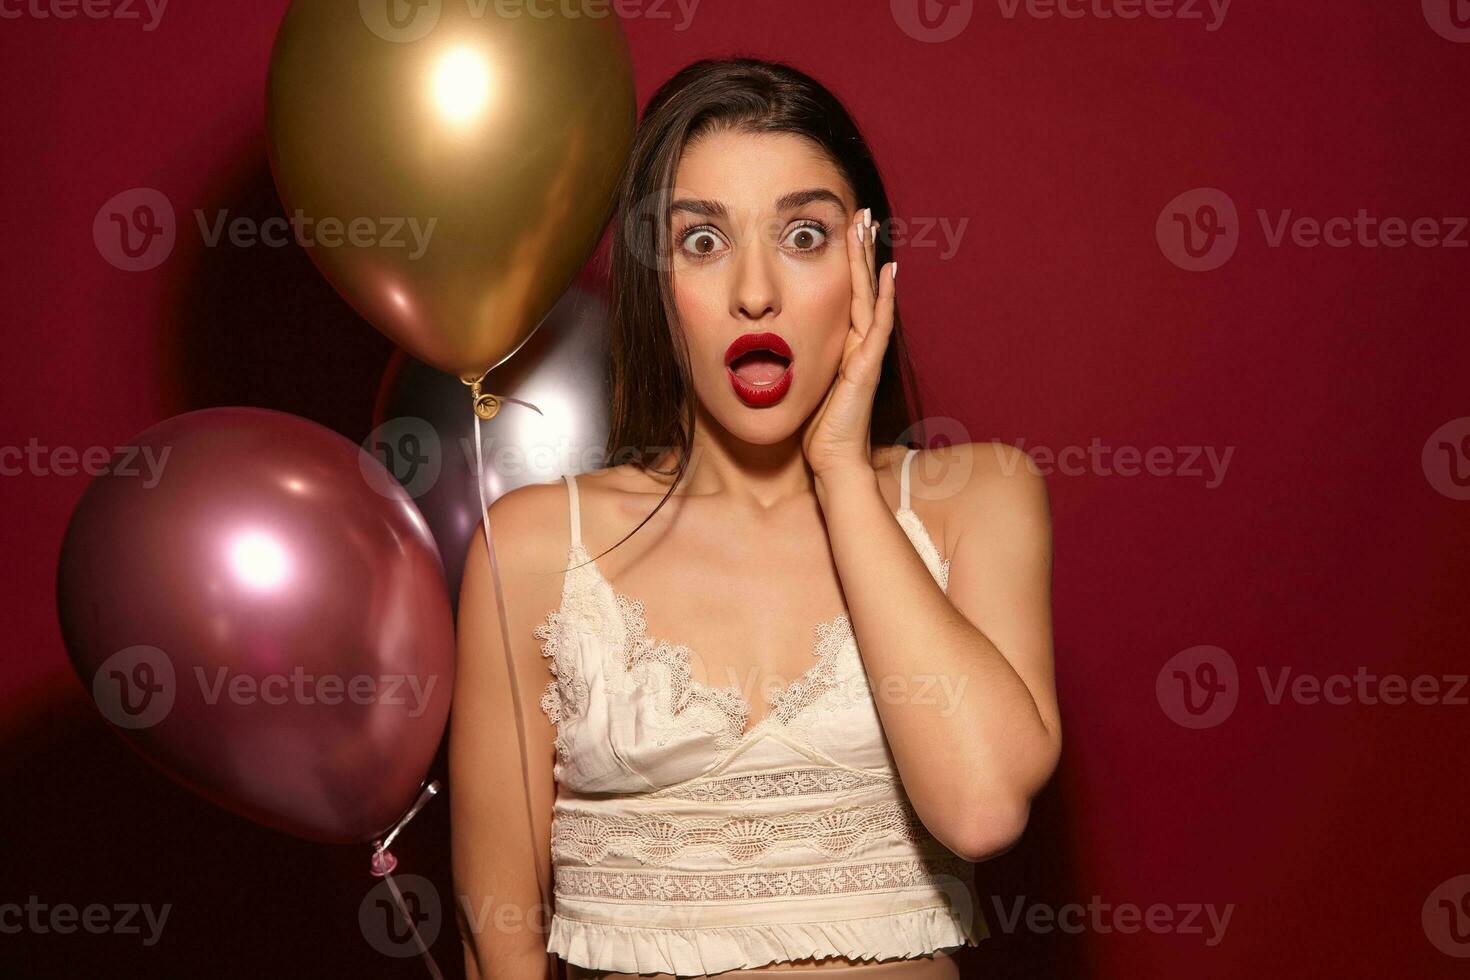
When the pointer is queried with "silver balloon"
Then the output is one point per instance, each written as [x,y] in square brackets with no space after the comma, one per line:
[423,423]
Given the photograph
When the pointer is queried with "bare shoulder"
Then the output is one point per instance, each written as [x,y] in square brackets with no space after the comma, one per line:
[991,485]
[532,528]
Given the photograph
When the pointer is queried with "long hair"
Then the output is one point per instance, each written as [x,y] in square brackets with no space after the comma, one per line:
[653,401]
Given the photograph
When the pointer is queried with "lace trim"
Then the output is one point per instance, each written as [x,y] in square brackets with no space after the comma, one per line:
[567,694]
[653,838]
[684,695]
[913,525]
[664,886]
[689,705]
[766,785]
[833,640]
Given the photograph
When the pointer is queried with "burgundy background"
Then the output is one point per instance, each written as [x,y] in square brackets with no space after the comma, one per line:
[1059,320]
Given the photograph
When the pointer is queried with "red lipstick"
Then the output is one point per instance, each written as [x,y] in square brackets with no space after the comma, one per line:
[759,366]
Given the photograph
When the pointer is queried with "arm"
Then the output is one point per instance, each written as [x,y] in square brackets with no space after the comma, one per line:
[963,683]
[497,897]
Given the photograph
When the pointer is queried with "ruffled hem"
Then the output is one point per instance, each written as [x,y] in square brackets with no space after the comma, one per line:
[714,949]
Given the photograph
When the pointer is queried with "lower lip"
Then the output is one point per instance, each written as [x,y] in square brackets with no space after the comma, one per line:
[758,396]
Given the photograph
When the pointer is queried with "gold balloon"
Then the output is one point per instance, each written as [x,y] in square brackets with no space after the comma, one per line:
[449,165]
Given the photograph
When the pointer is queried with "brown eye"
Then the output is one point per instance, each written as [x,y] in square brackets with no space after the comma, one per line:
[700,243]
[808,238]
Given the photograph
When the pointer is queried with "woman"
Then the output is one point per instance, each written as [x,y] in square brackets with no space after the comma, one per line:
[781,725]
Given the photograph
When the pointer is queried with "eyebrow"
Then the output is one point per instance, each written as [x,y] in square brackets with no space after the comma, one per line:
[786,202]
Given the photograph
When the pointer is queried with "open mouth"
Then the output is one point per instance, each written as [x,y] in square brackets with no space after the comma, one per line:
[759,366]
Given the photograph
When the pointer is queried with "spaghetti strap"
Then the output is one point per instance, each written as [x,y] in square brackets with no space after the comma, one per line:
[903,481]
[575,509]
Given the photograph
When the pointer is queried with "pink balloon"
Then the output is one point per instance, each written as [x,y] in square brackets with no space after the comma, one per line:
[259,608]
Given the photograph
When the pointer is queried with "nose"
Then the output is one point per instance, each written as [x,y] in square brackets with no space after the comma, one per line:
[755,293]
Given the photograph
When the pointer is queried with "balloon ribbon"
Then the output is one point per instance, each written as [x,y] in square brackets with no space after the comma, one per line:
[486,407]
[383,864]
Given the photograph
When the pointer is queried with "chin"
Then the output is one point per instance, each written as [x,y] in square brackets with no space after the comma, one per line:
[760,426]
[766,426]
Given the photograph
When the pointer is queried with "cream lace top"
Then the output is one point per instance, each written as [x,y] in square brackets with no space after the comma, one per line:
[681,845]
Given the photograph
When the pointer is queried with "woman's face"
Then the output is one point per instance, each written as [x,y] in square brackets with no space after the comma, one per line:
[758,226]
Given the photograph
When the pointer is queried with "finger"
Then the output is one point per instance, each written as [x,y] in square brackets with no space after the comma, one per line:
[883,310]
[870,239]
[862,277]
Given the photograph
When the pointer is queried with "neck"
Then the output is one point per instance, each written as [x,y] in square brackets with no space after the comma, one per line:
[761,474]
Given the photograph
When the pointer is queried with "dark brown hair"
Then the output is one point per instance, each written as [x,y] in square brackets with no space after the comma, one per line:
[653,406]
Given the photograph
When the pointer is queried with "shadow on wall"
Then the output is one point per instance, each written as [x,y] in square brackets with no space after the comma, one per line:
[1038,870]
[89,823]
[259,325]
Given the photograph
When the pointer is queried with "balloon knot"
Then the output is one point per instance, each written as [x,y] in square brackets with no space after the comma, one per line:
[383,860]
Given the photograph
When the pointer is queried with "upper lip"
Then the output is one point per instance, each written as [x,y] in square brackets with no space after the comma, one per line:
[747,342]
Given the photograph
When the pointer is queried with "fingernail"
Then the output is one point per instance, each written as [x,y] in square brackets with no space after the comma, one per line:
[860,234]
[895,272]
[867,216]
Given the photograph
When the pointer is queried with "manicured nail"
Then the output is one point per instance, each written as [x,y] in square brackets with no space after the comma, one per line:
[868,216]
[860,233]
[895,272]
